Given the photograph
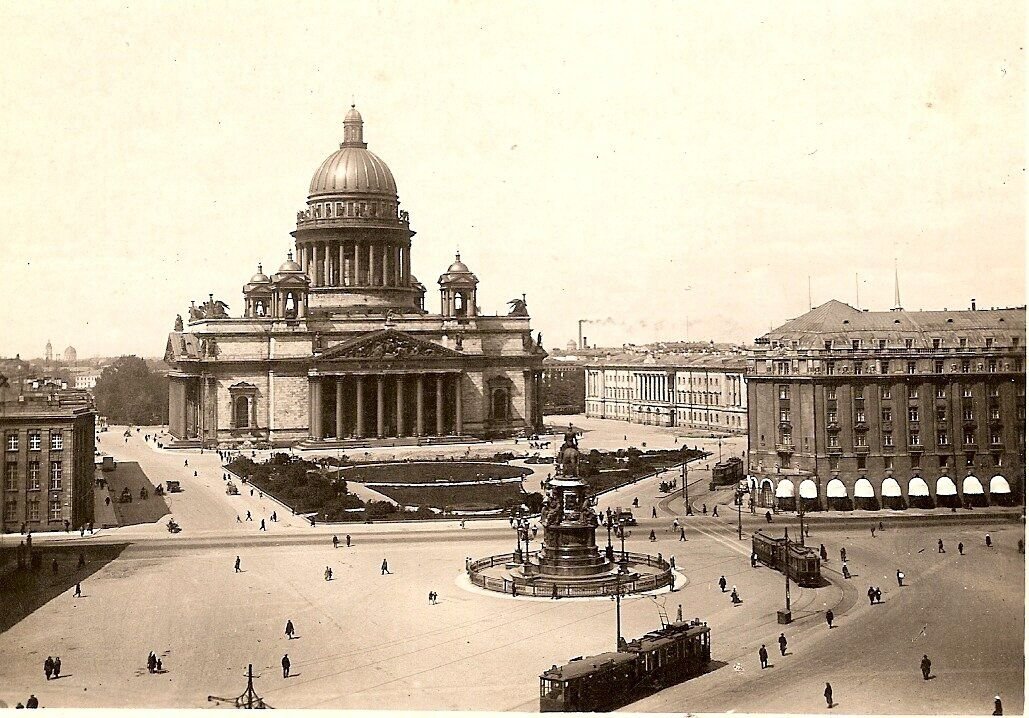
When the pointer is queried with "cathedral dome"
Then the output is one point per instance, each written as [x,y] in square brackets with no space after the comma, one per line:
[353,168]
[261,277]
[289,265]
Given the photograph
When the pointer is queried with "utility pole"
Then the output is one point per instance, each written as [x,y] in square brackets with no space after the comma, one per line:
[786,616]
[739,514]
[685,486]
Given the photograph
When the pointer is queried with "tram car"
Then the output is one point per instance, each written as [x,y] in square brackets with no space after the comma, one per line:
[727,473]
[660,659]
[802,564]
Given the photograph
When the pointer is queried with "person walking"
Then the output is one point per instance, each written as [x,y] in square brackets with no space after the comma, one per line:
[768,516]
[682,534]
[238,519]
[998,708]
[900,577]
[678,614]
[57,668]
[961,549]
[263,527]
[878,595]
[939,546]
[249,517]
[715,512]
[843,555]
[782,643]
[823,554]
[653,536]
[989,541]
[871,595]
[328,573]
[289,630]
[385,567]
[753,560]
[762,655]
[151,662]
[78,590]
[873,530]
[735,596]
[653,512]
[285,665]
[926,666]
[721,583]
[48,667]
[335,541]
[828,695]
[846,571]
[238,569]
[829,617]
[348,540]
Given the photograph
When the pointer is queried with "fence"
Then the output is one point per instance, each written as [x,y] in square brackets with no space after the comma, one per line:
[607,585]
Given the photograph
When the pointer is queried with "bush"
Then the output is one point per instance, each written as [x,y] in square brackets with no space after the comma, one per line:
[534,502]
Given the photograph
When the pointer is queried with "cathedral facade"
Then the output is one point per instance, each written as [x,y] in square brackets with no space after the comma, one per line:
[337,347]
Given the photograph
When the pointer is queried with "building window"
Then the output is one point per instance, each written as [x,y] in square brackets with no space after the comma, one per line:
[12,441]
[994,437]
[992,365]
[887,462]
[911,367]
[784,391]
[938,367]
[967,413]
[33,509]
[55,509]
[969,458]
[969,436]
[35,441]
[860,440]
[830,367]
[859,416]
[994,390]
[995,412]
[33,476]
[884,367]
[784,414]
[942,439]
[830,393]
[787,438]
[858,367]
[887,414]
[855,343]
[944,460]
[11,510]
[914,439]
[56,472]
[886,393]
[831,417]
[887,438]
[56,441]
[966,391]
[941,413]
[936,343]
[916,461]
[963,343]
[882,343]
[11,476]
[989,342]
[834,463]
[965,366]
[912,392]
[908,343]
[861,462]
[941,393]
[997,459]
[912,413]
[833,440]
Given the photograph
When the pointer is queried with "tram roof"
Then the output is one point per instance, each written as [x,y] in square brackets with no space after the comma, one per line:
[589,664]
[674,632]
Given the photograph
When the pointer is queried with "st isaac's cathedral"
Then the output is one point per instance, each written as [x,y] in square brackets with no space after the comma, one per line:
[336,347]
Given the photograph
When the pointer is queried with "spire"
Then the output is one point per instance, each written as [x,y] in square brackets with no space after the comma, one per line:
[353,129]
[896,287]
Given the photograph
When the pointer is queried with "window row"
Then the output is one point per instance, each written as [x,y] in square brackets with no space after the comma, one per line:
[33,476]
[32,507]
[35,440]
[915,461]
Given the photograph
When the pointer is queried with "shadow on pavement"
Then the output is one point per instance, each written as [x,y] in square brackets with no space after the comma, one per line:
[25,589]
[128,475]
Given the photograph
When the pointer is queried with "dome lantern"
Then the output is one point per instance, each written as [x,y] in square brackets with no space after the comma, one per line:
[353,130]
[457,288]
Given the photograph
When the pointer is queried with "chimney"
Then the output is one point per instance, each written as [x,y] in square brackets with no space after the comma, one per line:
[585,344]
[973,304]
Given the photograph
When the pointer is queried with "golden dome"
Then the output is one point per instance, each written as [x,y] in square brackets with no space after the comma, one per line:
[353,168]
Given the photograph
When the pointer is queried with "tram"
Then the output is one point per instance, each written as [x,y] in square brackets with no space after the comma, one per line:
[728,472]
[802,564]
[660,659]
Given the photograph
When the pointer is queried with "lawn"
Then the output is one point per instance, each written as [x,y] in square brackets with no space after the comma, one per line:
[428,472]
[482,496]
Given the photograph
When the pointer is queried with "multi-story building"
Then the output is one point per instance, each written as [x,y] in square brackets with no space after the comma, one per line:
[563,387]
[706,392]
[48,449]
[859,409]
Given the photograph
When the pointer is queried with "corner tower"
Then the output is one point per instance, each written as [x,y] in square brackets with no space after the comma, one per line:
[353,240]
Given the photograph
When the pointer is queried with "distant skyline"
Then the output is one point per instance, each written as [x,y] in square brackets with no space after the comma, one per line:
[671,173]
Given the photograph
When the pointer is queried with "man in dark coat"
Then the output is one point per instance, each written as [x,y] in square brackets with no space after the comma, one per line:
[829,617]
[57,668]
[828,695]
[285,666]
[48,667]
[878,595]
[871,595]
[238,569]
[151,662]
[763,656]
[33,702]
[998,708]
[939,546]
[385,567]
[721,583]
[782,643]
[926,667]
[289,630]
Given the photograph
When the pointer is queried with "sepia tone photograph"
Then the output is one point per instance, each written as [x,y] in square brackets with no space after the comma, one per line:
[444,356]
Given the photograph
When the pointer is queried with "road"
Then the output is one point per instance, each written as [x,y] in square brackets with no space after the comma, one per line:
[368,640]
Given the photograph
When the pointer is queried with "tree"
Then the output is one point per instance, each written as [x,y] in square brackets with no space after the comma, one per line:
[128,392]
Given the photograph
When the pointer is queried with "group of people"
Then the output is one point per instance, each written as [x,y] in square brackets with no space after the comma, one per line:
[154,664]
[762,653]
[52,667]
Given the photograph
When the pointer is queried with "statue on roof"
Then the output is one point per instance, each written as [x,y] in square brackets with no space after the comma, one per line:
[195,312]
[518,308]
[178,322]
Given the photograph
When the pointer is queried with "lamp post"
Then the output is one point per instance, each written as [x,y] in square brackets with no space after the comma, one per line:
[786,616]
[621,535]
[800,505]
[617,598]
[739,514]
[719,451]
[685,487]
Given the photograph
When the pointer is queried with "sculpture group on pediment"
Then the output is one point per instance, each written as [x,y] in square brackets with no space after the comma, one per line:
[211,309]
[393,348]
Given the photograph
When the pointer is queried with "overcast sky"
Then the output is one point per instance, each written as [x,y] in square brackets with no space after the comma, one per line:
[646,166]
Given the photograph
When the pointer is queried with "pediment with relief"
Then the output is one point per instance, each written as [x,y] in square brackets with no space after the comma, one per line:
[387,345]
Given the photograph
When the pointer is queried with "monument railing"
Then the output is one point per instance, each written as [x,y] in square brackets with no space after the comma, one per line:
[542,587]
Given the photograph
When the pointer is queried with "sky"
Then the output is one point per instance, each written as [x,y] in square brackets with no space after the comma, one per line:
[666,170]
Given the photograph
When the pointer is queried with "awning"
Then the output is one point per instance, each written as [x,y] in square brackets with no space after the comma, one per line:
[836,490]
[999,485]
[971,485]
[918,487]
[863,489]
[784,490]
[946,487]
[891,487]
[808,489]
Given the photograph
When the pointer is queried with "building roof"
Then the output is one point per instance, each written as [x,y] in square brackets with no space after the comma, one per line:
[713,362]
[838,321]
[353,168]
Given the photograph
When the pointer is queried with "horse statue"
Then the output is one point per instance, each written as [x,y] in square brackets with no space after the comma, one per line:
[568,456]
